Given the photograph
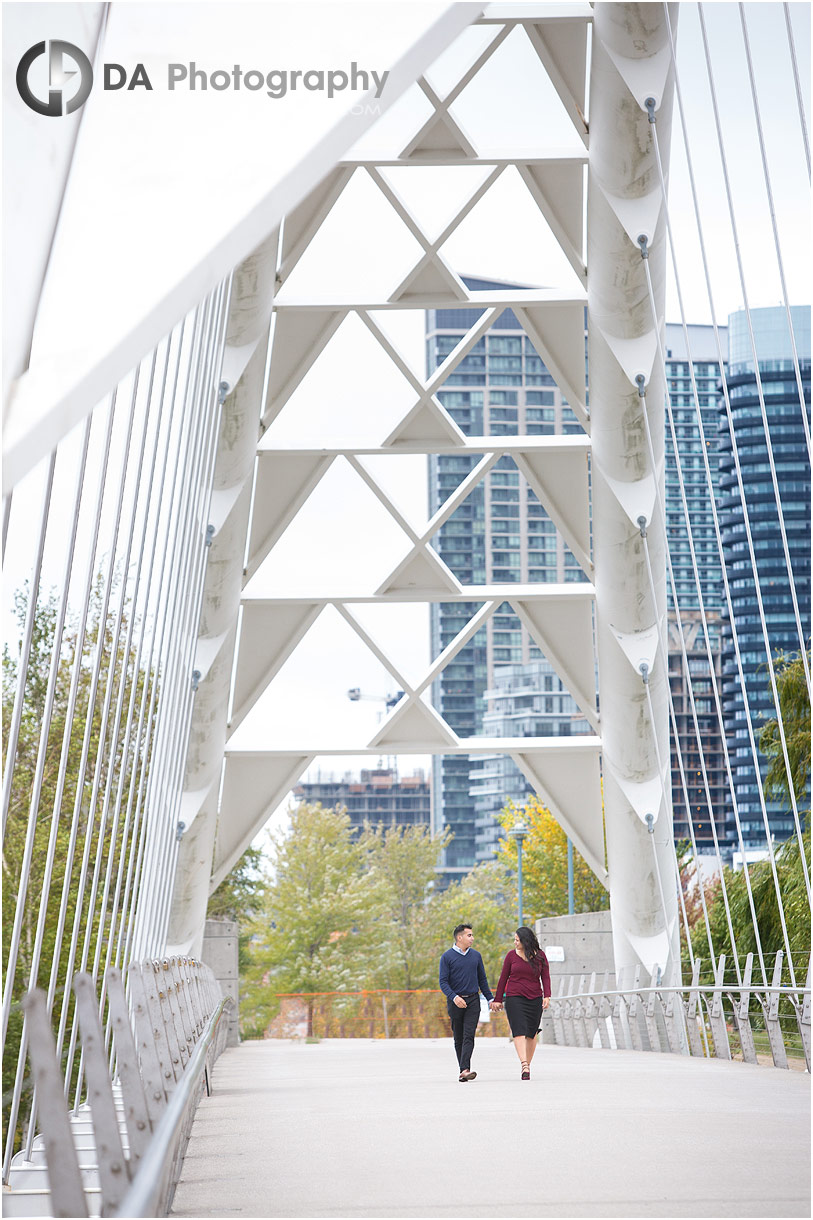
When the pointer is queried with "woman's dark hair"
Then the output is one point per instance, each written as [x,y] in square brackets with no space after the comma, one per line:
[530,945]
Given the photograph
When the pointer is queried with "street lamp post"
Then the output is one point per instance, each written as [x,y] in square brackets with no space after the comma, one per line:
[570,903]
[519,832]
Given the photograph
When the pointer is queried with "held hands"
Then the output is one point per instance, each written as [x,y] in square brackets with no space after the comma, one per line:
[459,1001]
[495,1005]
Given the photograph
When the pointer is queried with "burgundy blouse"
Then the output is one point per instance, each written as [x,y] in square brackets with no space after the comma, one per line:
[522,978]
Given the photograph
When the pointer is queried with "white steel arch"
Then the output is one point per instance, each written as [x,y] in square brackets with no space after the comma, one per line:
[630,64]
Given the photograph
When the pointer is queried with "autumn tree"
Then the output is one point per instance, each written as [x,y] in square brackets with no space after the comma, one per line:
[544,864]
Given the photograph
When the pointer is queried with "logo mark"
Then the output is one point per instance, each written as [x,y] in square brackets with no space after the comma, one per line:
[58,77]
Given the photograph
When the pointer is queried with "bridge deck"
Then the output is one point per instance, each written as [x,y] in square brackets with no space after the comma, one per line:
[374,1128]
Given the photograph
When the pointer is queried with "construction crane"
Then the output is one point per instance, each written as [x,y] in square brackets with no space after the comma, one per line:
[355,695]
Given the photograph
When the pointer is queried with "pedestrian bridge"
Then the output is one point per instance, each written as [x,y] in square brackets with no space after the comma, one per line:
[354,1127]
[200,360]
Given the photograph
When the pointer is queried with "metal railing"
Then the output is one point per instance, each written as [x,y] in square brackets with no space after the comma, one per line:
[723,1020]
[120,1151]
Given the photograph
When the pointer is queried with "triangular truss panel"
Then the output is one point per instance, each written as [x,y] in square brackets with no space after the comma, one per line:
[253,786]
[563,628]
[559,475]
[312,320]
[567,778]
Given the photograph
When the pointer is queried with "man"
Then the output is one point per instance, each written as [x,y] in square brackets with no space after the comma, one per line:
[462,978]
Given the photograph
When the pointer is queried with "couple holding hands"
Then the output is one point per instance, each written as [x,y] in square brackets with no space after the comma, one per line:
[524,984]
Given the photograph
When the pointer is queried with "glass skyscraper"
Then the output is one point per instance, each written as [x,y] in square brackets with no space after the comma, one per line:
[687,465]
[787,444]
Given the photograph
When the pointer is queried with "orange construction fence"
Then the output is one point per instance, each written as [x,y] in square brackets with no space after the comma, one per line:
[381,1013]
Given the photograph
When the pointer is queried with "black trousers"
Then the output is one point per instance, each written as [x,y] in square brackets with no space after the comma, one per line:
[464,1027]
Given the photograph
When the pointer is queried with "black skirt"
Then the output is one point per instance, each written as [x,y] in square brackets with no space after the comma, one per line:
[524,1015]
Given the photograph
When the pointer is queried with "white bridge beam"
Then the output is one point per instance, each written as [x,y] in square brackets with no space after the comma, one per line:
[630,63]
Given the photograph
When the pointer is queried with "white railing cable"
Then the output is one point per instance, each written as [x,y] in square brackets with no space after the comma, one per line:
[779,260]
[757,375]
[797,85]
[749,537]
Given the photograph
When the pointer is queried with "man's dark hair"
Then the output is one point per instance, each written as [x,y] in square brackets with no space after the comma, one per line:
[461,927]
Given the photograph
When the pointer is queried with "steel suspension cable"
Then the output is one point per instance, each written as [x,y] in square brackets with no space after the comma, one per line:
[772,209]
[746,524]
[76,675]
[180,502]
[174,519]
[679,749]
[146,662]
[661,508]
[757,374]
[662,359]
[33,814]
[215,403]
[177,677]
[25,647]
[798,86]
[110,716]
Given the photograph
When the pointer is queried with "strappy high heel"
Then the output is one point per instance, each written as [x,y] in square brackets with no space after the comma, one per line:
[526,1070]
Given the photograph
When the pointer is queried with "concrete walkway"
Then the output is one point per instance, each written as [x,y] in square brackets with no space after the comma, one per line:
[374,1128]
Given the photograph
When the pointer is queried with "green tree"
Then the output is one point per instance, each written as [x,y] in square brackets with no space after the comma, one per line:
[239,897]
[794,703]
[485,899]
[544,864]
[791,859]
[403,860]
[39,818]
[322,921]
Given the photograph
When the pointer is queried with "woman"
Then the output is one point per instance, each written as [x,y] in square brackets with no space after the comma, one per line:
[525,983]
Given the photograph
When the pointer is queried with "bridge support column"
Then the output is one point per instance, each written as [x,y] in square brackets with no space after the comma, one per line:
[631,62]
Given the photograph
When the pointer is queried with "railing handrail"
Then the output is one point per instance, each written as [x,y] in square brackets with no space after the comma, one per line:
[143,1195]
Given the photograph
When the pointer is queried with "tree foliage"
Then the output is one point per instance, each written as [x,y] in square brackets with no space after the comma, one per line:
[239,897]
[544,864]
[318,923]
[401,863]
[43,848]
[345,913]
[794,703]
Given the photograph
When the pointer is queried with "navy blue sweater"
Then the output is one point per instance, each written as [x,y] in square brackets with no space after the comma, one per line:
[463,974]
